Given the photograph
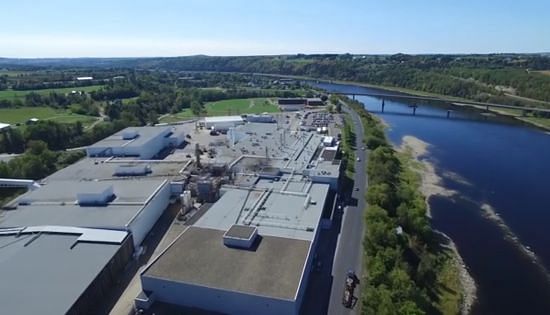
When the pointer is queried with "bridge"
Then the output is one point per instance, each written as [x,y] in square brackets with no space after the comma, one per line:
[524,110]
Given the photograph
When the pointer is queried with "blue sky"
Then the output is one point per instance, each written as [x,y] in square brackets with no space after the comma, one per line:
[110,28]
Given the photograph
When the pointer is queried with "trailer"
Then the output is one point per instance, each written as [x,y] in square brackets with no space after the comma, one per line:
[349,300]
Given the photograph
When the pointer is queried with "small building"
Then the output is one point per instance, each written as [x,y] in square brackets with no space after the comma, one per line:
[84,78]
[223,122]
[328,141]
[315,102]
[4,126]
[291,104]
[263,118]
[33,120]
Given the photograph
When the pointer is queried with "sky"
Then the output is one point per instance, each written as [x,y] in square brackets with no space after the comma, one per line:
[137,28]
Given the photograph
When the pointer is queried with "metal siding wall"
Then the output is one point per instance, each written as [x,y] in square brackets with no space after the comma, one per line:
[143,223]
[98,291]
[227,302]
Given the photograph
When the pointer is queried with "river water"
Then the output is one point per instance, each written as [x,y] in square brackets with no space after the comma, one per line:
[493,163]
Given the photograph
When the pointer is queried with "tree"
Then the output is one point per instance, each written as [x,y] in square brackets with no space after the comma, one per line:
[197,108]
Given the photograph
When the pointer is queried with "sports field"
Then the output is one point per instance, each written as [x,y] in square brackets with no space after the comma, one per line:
[237,106]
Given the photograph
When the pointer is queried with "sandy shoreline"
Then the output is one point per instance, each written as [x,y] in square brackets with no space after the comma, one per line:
[431,185]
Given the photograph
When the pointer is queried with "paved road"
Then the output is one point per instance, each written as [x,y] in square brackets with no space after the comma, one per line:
[349,249]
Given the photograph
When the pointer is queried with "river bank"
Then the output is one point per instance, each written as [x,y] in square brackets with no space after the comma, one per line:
[431,185]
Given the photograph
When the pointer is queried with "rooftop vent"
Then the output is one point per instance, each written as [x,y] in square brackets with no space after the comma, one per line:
[240,236]
[129,134]
[133,170]
[95,194]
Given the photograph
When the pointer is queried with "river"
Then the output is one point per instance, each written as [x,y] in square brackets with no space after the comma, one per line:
[496,164]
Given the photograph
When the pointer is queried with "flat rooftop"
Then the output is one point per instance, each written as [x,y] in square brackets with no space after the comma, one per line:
[280,214]
[144,134]
[46,273]
[104,169]
[55,204]
[285,148]
[274,268]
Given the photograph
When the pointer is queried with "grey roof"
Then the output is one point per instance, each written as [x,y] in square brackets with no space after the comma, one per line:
[102,168]
[46,276]
[281,214]
[145,134]
[286,149]
[240,231]
[273,269]
[54,204]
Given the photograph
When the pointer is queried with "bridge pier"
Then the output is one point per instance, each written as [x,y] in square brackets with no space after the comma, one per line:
[383,105]
[353,96]
[448,114]
[414,109]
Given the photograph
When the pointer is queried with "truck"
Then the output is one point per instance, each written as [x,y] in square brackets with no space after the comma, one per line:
[349,300]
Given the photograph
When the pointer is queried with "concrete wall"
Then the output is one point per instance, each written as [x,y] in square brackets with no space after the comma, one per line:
[142,224]
[226,302]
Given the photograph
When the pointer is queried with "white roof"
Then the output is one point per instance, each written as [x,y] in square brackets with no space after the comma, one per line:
[3,125]
[222,119]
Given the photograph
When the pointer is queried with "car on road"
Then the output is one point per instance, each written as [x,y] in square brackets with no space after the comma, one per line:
[358,159]
[356,189]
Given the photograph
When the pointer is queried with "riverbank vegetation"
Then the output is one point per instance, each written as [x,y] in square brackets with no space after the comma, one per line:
[409,270]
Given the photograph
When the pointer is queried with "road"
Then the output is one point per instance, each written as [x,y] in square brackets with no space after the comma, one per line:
[349,251]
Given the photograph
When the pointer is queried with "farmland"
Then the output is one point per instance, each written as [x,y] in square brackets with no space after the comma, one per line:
[21,115]
[12,94]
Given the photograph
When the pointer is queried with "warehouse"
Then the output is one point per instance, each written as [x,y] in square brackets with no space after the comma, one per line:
[223,122]
[256,249]
[35,261]
[132,206]
[141,142]
[292,104]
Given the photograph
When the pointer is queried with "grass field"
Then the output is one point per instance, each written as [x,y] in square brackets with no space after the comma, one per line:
[21,115]
[545,72]
[237,106]
[11,94]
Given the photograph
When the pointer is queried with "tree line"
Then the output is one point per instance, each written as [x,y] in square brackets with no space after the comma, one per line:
[403,256]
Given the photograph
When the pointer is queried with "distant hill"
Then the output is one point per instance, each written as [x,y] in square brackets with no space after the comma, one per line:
[492,77]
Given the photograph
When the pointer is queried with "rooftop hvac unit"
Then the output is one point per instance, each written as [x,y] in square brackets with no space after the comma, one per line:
[133,170]
[240,236]
[129,134]
[95,194]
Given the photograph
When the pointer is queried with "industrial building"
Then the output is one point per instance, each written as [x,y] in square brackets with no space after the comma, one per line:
[59,270]
[141,142]
[67,239]
[291,104]
[223,122]
[262,118]
[267,191]
[114,205]
[252,251]
[315,102]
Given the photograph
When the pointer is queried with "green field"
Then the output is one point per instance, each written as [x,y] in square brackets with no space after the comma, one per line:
[236,106]
[11,94]
[21,115]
